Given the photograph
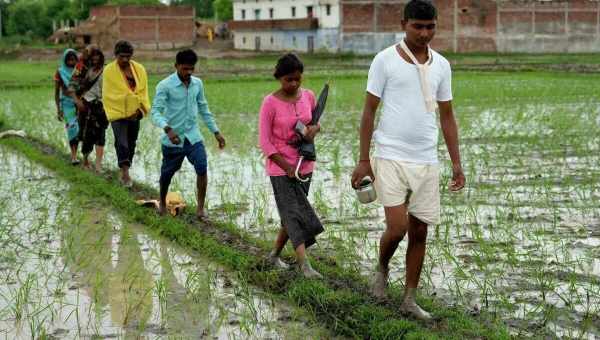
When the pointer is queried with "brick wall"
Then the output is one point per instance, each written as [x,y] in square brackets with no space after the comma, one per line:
[487,25]
[152,26]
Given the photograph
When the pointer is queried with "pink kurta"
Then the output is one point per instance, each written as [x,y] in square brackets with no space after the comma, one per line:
[276,130]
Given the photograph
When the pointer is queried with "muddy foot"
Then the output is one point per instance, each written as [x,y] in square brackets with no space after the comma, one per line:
[380,283]
[410,307]
[309,272]
[277,262]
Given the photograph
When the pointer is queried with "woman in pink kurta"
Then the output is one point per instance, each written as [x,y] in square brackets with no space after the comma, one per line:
[279,113]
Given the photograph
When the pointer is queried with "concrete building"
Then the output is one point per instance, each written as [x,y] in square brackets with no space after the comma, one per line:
[273,25]
[367,26]
[146,27]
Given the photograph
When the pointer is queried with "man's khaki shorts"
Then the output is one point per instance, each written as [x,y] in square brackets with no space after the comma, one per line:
[398,182]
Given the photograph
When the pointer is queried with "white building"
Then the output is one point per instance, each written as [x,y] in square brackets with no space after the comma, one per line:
[275,25]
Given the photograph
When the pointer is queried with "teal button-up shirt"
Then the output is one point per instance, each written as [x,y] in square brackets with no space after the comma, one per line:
[178,106]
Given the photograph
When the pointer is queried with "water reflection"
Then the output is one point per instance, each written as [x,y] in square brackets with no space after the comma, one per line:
[79,271]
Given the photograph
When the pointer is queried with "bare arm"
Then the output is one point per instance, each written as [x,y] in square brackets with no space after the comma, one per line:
[450,131]
[59,114]
[367,125]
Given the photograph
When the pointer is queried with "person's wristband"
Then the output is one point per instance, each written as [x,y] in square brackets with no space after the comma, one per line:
[364,160]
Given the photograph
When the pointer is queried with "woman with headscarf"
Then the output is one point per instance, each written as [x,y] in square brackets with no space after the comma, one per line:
[65,107]
[86,90]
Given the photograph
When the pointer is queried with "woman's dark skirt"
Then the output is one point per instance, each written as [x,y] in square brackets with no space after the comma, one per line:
[92,126]
[296,213]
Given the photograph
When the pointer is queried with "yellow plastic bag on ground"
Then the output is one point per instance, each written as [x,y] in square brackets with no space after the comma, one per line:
[175,203]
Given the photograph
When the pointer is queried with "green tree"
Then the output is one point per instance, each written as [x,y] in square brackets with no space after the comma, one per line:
[223,10]
[27,17]
[59,10]
[81,8]
[134,2]
[4,11]
[204,8]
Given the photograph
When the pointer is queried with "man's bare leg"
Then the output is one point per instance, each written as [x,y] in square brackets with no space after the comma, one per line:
[86,161]
[164,183]
[125,178]
[201,184]
[415,255]
[396,226]
[99,157]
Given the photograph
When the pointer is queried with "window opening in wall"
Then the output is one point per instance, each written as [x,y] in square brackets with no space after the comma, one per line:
[244,40]
[271,40]
[328,9]
[271,13]
[309,11]
[257,14]
[243,14]
[293,12]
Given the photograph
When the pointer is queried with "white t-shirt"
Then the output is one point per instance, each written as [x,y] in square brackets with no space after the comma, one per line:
[406,131]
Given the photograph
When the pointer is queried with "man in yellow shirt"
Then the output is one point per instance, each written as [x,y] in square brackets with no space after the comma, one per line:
[126,102]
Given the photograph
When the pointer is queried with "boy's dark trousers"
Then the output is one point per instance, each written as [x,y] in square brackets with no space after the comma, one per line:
[126,134]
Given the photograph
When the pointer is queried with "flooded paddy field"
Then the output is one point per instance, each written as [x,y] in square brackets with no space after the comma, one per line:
[73,269]
[522,241]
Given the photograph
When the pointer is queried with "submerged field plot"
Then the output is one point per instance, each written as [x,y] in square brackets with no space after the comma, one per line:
[72,268]
[521,243]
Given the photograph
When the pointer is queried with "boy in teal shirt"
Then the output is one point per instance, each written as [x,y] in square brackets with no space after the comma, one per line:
[179,100]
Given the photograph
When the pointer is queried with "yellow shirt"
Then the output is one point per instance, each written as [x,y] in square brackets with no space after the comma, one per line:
[119,100]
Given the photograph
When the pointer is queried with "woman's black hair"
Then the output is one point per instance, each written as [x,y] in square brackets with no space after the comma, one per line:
[420,10]
[123,46]
[288,63]
[97,51]
[186,57]
[71,54]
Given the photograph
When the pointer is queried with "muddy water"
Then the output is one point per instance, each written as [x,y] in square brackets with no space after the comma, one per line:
[72,269]
[520,241]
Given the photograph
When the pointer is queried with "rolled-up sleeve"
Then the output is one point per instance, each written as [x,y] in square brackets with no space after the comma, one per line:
[265,129]
[159,105]
[204,112]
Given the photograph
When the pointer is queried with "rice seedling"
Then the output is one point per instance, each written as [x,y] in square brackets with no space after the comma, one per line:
[512,243]
[74,289]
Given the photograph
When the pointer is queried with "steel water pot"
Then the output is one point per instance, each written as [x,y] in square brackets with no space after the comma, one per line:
[366,191]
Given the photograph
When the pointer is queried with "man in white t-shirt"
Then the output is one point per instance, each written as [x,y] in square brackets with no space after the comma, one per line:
[410,80]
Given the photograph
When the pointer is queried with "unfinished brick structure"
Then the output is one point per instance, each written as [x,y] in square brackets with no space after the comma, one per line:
[368,26]
[146,27]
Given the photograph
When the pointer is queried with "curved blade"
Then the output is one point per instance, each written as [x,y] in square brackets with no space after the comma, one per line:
[321,102]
